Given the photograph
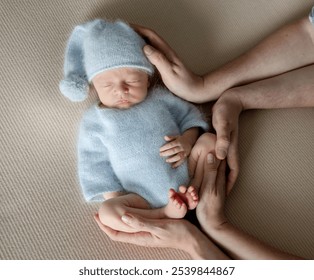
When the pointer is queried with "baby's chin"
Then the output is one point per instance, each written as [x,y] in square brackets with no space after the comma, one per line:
[124,106]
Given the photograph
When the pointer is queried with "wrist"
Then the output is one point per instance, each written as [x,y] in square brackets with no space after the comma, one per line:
[193,240]
[217,226]
[203,248]
[191,135]
[198,251]
[241,96]
[235,97]
[198,89]
[200,247]
[210,220]
[217,82]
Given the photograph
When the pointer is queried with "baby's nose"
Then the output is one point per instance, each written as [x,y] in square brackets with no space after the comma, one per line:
[122,89]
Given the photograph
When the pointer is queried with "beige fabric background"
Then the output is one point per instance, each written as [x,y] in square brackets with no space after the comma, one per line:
[42,213]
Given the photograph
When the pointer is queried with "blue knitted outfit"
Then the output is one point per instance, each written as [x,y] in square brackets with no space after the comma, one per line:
[118,150]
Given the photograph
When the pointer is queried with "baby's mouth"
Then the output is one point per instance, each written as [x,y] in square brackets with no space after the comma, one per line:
[123,101]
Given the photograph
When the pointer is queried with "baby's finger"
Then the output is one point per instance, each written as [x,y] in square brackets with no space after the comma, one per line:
[170,138]
[169,145]
[177,164]
[176,158]
[169,150]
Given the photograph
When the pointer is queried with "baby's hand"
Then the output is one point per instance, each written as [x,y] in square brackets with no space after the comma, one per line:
[176,150]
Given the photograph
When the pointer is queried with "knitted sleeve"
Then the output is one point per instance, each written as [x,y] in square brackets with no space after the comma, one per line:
[186,114]
[95,172]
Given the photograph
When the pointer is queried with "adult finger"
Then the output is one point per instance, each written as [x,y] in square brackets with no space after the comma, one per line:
[192,165]
[140,238]
[210,173]
[221,179]
[223,139]
[211,163]
[159,59]
[233,162]
[223,129]
[196,171]
[140,224]
[156,41]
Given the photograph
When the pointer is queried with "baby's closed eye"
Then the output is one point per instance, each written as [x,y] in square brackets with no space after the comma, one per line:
[133,81]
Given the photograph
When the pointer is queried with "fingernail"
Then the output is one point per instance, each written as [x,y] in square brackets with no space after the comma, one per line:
[148,50]
[210,158]
[126,218]
[221,153]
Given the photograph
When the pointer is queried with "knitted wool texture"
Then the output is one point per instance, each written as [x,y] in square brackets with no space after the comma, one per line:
[119,149]
[97,46]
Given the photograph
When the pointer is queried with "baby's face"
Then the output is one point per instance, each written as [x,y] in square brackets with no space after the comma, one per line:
[121,88]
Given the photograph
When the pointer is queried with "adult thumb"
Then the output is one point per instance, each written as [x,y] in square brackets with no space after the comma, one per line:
[222,144]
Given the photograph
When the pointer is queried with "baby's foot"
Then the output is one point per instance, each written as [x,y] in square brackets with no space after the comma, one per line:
[175,208]
[189,196]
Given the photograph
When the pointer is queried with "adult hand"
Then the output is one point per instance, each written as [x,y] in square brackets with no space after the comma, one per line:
[170,233]
[210,209]
[204,145]
[225,120]
[178,79]
[210,214]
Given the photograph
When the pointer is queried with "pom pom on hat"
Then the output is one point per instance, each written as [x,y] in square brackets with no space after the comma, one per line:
[97,46]
[75,88]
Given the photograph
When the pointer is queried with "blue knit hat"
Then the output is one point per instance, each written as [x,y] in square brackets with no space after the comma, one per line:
[97,46]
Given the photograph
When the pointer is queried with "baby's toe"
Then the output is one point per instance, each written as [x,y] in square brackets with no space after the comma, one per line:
[183,189]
